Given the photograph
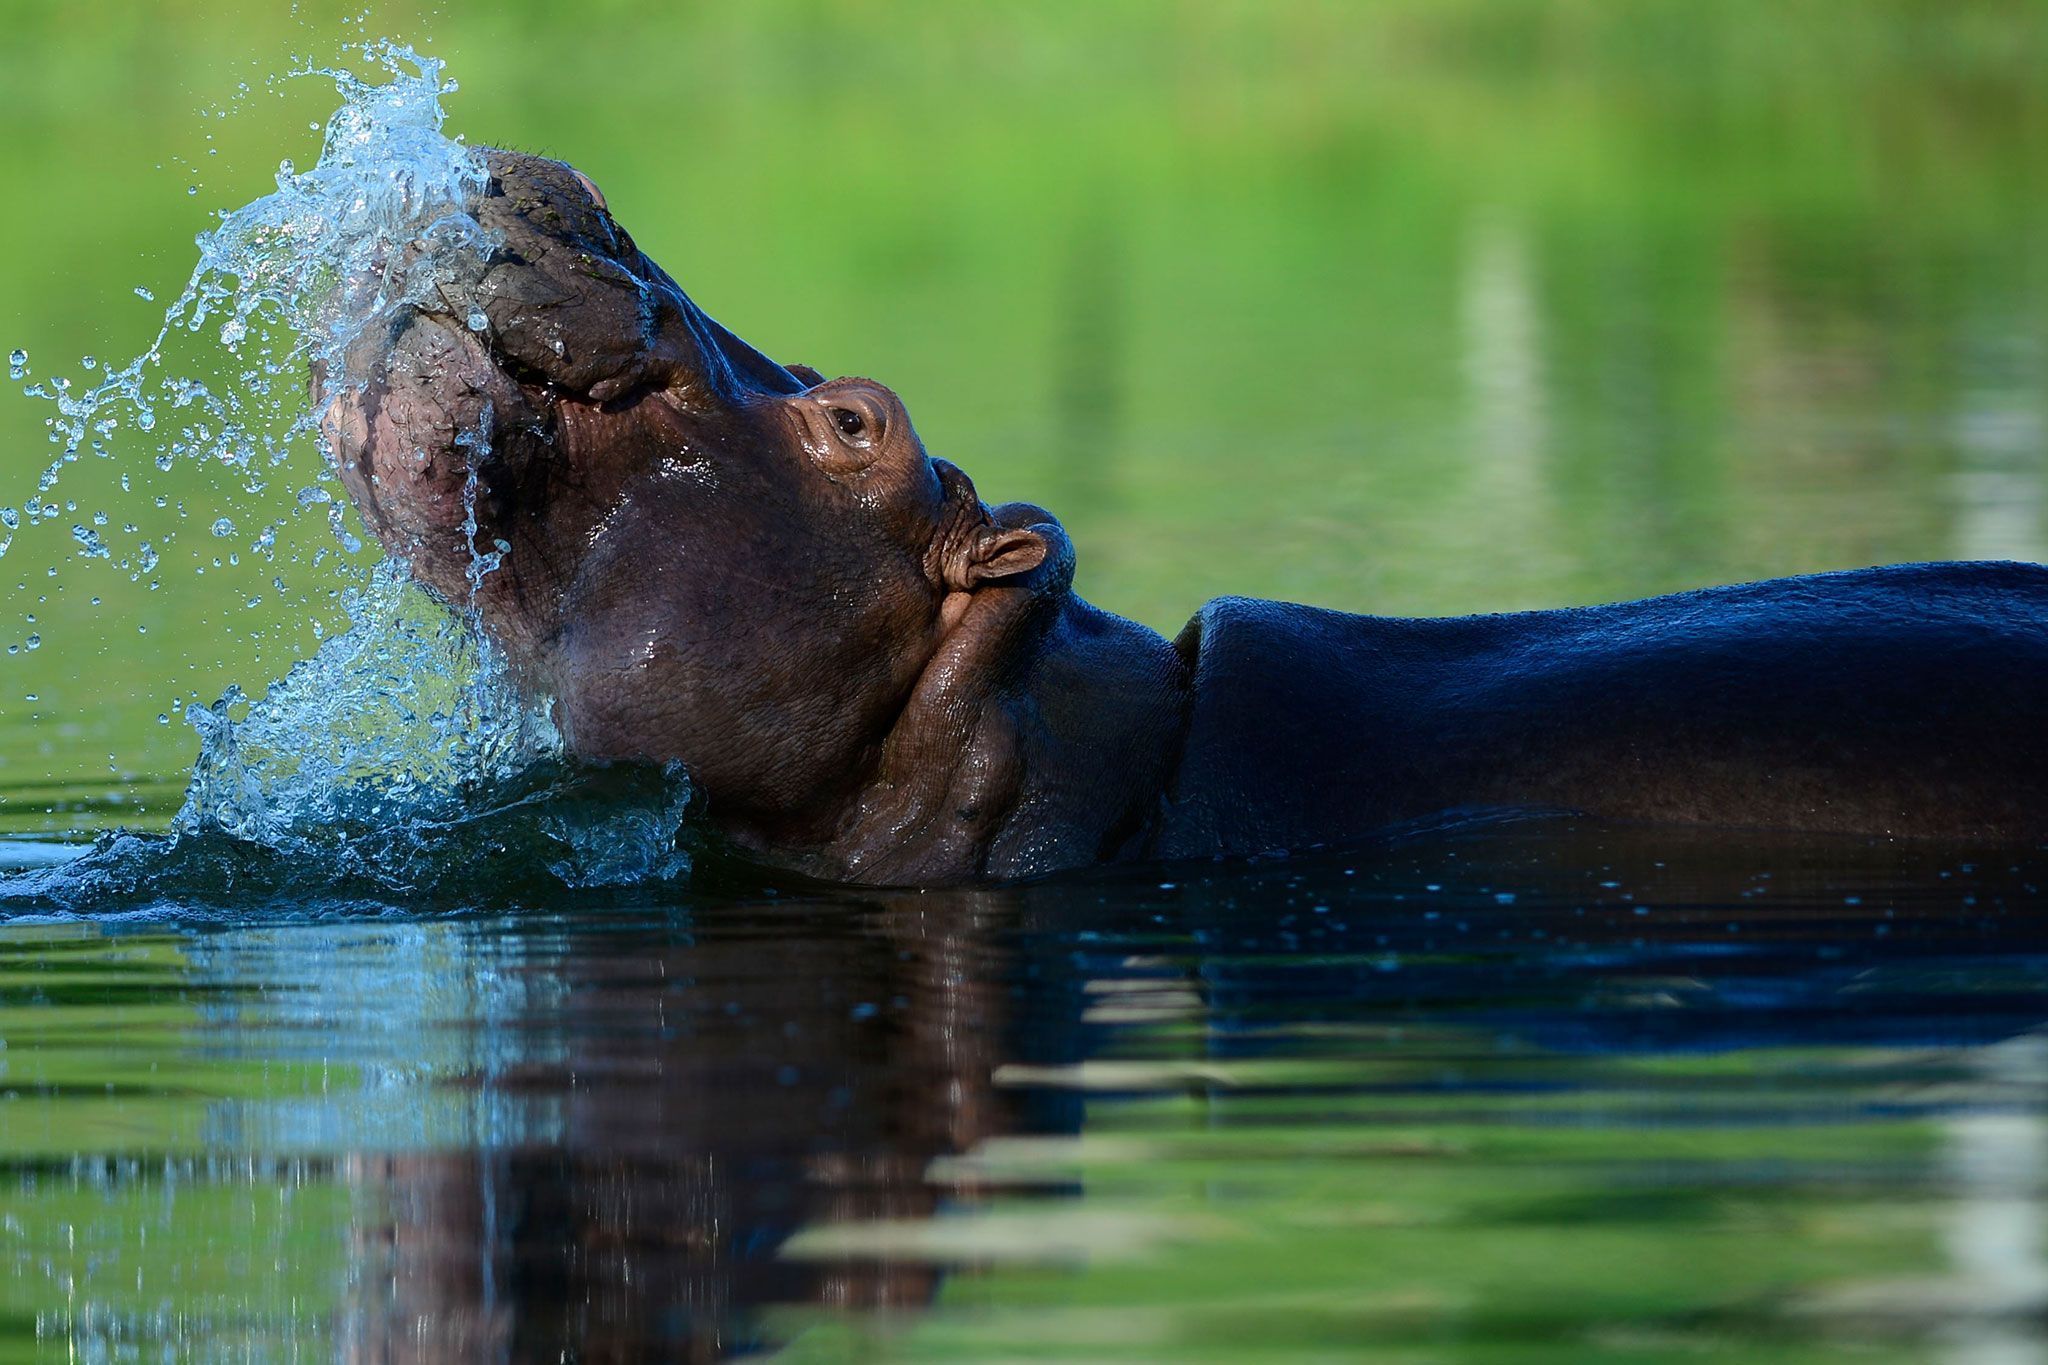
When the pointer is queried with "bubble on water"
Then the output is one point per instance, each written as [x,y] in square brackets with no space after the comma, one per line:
[337,523]
[474,443]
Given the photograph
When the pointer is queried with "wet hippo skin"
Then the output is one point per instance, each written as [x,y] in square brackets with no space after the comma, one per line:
[874,677]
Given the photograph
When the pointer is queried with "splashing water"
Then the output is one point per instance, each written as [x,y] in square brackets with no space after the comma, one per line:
[399,737]
[400,757]
[288,280]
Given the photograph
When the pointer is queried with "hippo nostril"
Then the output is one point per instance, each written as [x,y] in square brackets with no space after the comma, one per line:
[596,196]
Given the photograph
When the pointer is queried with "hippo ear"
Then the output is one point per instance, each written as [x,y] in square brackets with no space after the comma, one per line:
[810,377]
[996,552]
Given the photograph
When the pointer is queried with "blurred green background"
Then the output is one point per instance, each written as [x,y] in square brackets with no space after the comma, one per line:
[1422,306]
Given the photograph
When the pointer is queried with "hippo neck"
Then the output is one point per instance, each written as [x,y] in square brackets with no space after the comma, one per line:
[1040,737]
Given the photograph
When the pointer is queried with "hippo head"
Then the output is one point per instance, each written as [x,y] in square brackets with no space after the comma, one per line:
[698,553]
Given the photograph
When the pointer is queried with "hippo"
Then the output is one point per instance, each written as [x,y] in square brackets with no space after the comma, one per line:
[703,556]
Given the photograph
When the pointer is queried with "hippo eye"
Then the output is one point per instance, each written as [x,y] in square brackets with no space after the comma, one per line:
[850,423]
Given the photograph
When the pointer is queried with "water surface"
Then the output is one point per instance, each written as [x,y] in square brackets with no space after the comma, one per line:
[1524,1093]
[1425,306]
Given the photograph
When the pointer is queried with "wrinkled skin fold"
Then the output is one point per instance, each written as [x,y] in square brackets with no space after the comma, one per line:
[873,676]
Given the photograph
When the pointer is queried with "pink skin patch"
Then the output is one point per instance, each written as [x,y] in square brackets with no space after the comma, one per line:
[596,196]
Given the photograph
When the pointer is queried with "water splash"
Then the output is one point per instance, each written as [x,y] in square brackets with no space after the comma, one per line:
[400,757]
[379,756]
[285,282]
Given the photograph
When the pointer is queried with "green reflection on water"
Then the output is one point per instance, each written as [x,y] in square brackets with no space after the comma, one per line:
[1406,307]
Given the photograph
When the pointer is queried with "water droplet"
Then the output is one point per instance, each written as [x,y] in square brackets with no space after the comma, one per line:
[33,642]
[477,321]
[144,294]
[89,362]
[223,527]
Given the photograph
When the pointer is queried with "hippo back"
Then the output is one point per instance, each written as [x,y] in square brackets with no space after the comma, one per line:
[1904,700]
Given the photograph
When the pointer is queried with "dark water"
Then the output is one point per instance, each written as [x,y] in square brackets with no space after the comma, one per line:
[1530,1092]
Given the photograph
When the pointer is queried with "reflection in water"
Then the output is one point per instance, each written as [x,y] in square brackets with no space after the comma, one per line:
[1535,1091]
[2000,1163]
[1090,370]
[1503,357]
[2000,488]
[1501,342]
[709,1096]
